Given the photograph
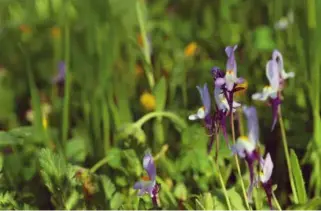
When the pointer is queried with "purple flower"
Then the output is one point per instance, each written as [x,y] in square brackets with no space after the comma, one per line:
[277,56]
[60,77]
[271,91]
[265,177]
[245,146]
[230,78]
[222,108]
[148,185]
[206,101]
[229,81]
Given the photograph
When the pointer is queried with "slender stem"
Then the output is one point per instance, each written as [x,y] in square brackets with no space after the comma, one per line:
[240,122]
[276,201]
[66,102]
[161,152]
[238,165]
[146,47]
[287,156]
[100,164]
[170,115]
[216,165]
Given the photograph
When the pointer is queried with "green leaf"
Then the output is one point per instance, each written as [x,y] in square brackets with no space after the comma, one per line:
[160,93]
[117,201]
[76,149]
[180,191]
[236,199]
[313,204]
[108,186]
[199,205]
[27,133]
[72,200]
[8,140]
[298,178]
[208,201]
[53,169]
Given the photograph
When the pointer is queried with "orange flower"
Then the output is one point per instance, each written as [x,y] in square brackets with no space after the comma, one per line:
[55,32]
[190,49]
[25,28]
[148,101]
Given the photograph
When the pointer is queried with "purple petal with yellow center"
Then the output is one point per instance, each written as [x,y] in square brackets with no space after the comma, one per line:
[149,166]
[231,63]
[252,123]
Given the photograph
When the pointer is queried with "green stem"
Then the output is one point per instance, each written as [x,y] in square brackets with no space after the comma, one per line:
[287,156]
[216,165]
[65,114]
[146,47]
[100,164]
[240,121]
[276,201]
[139,123]
[238,165]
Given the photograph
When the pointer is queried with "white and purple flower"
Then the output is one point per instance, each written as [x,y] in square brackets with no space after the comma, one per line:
[266,166]
[148,185]
[271,91]
[245,146]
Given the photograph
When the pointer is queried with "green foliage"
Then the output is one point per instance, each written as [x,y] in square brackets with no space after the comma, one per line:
[87,152]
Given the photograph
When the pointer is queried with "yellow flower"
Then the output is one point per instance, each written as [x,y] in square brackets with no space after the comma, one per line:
[55,32]
[243,85]
[190,49]
[44,122]
[148,101]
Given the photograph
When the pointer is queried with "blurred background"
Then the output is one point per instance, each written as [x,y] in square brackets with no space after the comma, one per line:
[86,87]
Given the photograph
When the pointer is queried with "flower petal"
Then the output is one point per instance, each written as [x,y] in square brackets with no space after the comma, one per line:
[262,96]
[149,166]
[267,168]
[285,75]
[229,85]
[231,63]
[219,98]
[193,117]
[252,123]
[242,146]
[278,58]
[219,81]
[206,99]
[144,187]
[240,80]
[272,74]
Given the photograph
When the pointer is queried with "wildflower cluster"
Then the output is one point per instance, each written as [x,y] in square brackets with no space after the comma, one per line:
[225,85]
